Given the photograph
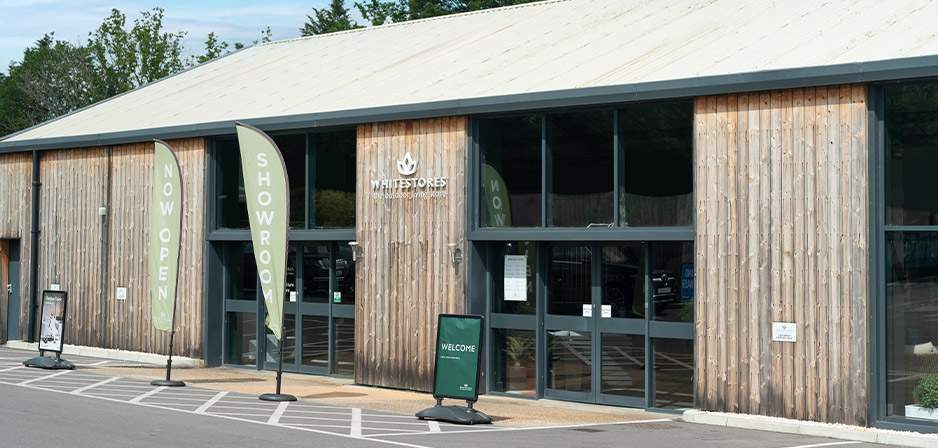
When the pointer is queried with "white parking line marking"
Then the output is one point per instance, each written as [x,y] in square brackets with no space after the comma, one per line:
[101,362]
[356,430]
[12,368]
[530,428]
[210,402]
[92,386]
[43,377]
[825,444]
[275,417]
[143,396]
[434,425]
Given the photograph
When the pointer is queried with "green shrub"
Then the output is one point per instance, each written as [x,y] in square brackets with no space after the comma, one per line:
[926,393]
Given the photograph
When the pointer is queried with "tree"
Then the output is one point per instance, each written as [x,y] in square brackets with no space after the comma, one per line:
[213,49]
[131,58]
[379,12]
[54,78]
[329,20]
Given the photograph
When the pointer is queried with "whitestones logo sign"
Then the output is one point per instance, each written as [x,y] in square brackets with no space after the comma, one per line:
[266,186]
[457,356]
[408,187]
[165,224]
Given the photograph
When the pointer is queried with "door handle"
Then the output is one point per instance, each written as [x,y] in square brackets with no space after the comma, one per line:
[9,288]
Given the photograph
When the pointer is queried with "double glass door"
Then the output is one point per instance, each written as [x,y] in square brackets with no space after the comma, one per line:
[613,323]
[319,328]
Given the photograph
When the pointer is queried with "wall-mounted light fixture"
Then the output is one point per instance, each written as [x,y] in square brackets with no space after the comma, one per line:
[357,250]
[455,253]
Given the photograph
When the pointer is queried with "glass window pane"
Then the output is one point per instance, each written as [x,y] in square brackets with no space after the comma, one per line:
[316,267]
[511,168]
[911,314]
[290,283]
[241,338]
[674,373]
[516,303]
[332,176]
[289,342]
[623,365]
[345,275]
[242,272]
[673,280]
[344,342]
[231,206]
[624,281]
[569,282]
[515,363]
[580,147]
[911,154]
[293,149]
[315,351]
[656,166]
[568,364]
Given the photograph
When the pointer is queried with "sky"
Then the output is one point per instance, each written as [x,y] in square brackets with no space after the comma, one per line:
[22,22]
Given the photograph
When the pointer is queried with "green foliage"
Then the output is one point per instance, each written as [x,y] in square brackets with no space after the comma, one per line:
[337,208]
[926,393]
[129,58]
[329,20]
[519,348]
[379,12]
[213,49]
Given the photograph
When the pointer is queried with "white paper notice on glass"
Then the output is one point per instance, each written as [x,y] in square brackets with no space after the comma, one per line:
[606,311]
[121,293]
[784,332]
[516,278]
[293,296]
[587,310]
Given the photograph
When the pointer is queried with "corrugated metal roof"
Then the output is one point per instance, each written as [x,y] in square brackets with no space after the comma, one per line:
[540,47]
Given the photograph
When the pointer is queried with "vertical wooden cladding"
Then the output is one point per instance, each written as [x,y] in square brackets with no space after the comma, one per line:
[16,172]
[406,278]
[91,255]
[781,236]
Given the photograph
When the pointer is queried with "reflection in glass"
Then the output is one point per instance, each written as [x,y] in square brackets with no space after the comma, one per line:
[527,249]
[511,168]
[293,149]
[332,176]
[673,280]
[344,342]
[316,267]
[911,154]
[242,272]
[624,281]
[289,342]
[345,275]
[515,363]
[569,280]
[568,364]
[231,210]
[674,373]
[241,338]
[315,341]
[580,148]
[623,365]
[656,165]
[911,314]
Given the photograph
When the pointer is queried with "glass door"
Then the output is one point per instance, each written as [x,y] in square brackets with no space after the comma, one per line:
[319,314]
[595,323]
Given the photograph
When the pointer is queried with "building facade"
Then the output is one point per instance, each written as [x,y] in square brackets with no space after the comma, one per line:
[636,233]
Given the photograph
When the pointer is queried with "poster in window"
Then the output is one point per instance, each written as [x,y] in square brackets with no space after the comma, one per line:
[516,278]
[52,322]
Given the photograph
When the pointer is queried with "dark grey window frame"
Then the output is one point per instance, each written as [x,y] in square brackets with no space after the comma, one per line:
[878,414]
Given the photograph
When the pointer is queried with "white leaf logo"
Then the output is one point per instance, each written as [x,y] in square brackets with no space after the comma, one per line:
[407,165]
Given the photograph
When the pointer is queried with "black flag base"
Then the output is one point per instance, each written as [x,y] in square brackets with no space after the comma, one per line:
[277,397]
[167,383]
[45,362]
[463,415]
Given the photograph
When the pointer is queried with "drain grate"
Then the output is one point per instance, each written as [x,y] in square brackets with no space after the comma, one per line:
[587,430]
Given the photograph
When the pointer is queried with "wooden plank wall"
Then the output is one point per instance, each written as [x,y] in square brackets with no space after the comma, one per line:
[90,255]
[782,236]
[16,174]
[406,278]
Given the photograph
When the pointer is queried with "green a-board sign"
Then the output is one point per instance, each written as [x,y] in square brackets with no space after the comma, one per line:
[458,350]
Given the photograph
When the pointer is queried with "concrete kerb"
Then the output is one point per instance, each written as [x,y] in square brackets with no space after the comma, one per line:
[836,431]
[145,359]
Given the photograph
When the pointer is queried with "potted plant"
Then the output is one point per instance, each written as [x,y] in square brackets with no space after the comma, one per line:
[518,348]
[926,395]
